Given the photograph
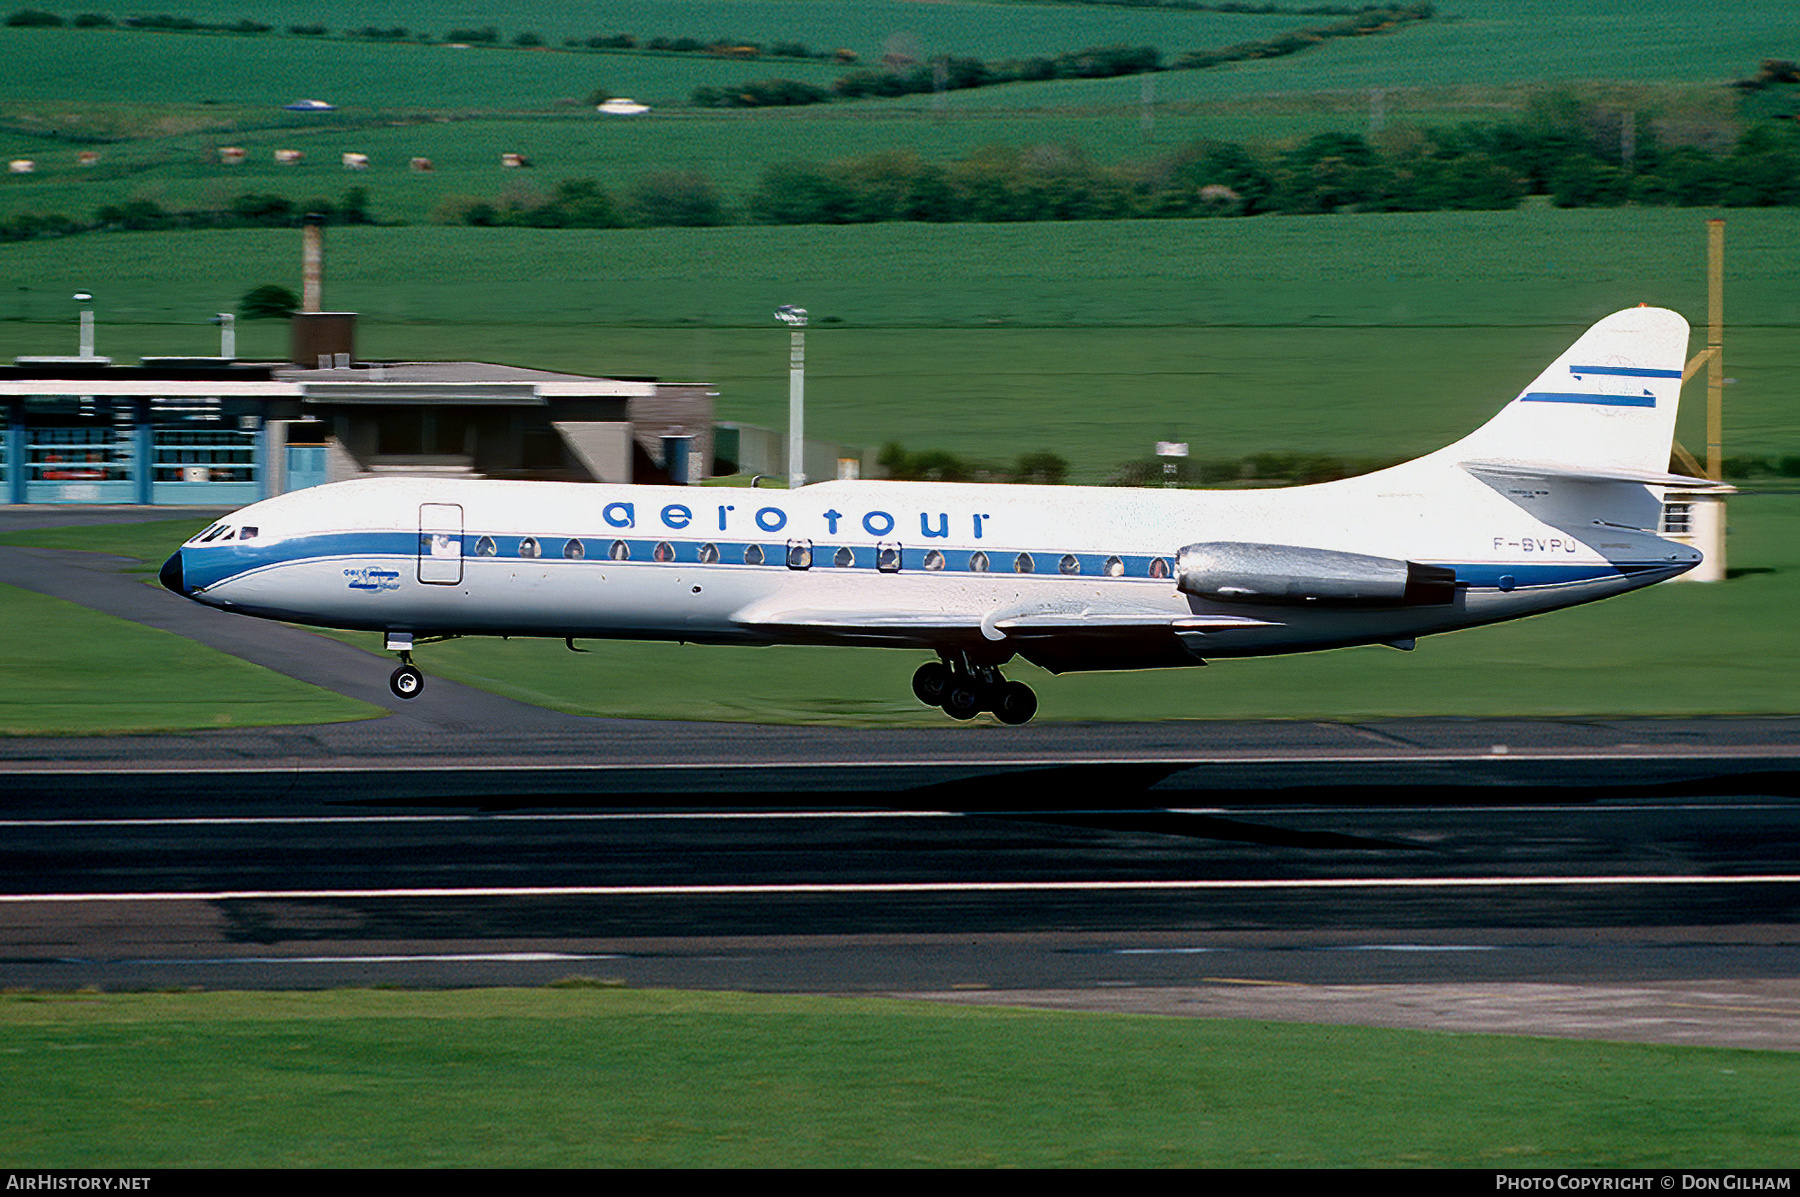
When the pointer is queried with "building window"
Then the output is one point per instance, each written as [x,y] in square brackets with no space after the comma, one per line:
[1678,519]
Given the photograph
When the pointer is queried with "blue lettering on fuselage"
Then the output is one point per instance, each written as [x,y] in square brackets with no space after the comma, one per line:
[619,515]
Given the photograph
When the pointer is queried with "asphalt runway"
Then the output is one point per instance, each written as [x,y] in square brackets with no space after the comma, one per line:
[1632,879]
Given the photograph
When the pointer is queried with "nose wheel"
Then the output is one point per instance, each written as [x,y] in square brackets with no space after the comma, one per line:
[964,693]
[406,682]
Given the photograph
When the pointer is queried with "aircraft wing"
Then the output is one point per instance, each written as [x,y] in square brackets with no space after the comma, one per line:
[1025,624]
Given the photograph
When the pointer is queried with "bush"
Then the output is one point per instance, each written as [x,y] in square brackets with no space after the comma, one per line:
[27,18]
[681,198]
[93,20]
[268,302]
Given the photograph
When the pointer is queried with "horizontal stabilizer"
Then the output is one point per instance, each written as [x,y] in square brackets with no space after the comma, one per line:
[1549,472]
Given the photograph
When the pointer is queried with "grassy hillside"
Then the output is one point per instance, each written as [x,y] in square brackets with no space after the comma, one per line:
[1368,335]
[157,106]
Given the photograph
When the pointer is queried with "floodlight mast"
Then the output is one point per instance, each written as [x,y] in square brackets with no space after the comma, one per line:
[795,317]
[87,322]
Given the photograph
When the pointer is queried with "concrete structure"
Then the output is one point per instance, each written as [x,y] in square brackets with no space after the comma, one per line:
[217,432]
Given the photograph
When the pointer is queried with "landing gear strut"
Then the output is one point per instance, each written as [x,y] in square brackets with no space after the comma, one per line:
[964,691]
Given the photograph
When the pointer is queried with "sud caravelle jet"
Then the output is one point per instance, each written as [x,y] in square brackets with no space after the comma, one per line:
[1552,502]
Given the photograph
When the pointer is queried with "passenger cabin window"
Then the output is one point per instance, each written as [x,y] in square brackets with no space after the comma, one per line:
[485,547]
[887,558]
[1023,564]
[528,548]
[844,558]
[1115,568]
[574,550]
[709,554]
[1068,564]
[934,560]
[753,554]
[1159,568]
[619,551]
[978,563]
[799,554]
[664,551]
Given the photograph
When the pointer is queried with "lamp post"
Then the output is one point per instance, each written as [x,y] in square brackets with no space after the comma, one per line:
[227,323]
[795,318]
[87,322]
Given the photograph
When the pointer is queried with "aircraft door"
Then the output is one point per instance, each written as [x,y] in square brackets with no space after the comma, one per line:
[440,543]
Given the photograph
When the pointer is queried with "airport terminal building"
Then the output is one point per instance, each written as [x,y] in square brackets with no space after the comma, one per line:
[223,432]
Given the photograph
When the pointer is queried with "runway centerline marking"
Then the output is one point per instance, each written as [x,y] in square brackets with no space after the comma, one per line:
[897,887]
[503,817]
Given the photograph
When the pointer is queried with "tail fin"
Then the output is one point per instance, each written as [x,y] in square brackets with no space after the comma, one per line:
[1606,405]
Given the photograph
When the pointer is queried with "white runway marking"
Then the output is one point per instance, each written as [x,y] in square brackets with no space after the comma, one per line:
[901,887]
[633,816]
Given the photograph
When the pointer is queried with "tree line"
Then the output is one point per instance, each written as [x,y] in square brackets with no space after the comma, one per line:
[1576,159]
[908,77]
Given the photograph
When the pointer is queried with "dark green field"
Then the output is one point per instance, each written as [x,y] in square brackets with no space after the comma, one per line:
[589,1077]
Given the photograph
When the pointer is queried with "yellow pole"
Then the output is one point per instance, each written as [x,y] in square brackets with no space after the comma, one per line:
[1715,349]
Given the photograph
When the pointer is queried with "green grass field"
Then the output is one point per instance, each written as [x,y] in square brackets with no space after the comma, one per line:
[66,670]
[1365,335]
[605,1077]
[157,106]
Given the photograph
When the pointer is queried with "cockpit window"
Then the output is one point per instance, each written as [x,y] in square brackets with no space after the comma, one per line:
[249,533]
[213,535]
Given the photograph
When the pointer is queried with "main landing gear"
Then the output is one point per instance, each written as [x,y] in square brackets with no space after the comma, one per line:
[964,691]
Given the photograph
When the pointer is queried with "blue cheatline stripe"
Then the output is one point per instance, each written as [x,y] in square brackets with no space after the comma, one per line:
[1587,397]
[1626,371]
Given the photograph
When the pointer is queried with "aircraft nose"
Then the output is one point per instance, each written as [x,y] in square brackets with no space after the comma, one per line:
[170,575]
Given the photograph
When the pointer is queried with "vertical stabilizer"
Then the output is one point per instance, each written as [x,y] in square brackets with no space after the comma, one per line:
[1608,403]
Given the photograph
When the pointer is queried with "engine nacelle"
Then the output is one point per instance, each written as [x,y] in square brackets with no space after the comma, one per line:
[1234,572]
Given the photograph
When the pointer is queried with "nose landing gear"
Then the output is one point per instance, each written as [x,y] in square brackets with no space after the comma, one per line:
[406,681]
[964,691]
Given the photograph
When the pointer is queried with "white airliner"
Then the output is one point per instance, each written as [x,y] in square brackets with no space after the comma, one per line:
[1553,502]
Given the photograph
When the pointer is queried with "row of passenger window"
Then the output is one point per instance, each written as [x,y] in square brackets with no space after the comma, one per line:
[800,556]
